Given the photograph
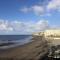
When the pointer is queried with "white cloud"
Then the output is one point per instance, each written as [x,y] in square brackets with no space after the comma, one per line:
[4,26]
[25,9]
[36,9]
[53,5]
[42,25]
[17,25]
[22,27]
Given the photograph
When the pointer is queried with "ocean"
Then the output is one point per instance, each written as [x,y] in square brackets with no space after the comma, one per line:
[9,41]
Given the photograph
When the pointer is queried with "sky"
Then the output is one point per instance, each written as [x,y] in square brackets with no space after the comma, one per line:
[28,16]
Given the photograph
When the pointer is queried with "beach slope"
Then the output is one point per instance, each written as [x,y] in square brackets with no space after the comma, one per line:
[34,50]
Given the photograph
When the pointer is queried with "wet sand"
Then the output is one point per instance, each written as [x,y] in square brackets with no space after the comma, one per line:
[30,51]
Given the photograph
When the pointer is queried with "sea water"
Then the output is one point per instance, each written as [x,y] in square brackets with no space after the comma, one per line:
[9,41]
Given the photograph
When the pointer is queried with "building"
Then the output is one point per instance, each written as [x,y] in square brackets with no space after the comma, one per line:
[53,37]
[52,33]
[38,33]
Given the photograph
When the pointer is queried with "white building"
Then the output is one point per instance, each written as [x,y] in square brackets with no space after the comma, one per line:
[53,36]
[52,32]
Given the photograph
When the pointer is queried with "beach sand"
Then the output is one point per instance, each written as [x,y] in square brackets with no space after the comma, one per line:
[30,51]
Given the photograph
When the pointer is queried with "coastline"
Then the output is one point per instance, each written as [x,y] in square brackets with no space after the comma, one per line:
[11,43]
[27,51]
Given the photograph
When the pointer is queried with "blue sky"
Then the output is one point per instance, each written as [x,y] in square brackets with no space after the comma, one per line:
[28,16]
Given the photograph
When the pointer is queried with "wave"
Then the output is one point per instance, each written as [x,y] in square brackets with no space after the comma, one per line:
[13,43]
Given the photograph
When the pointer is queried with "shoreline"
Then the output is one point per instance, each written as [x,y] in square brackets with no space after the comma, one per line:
[9,45]
[27,51]
[15,47]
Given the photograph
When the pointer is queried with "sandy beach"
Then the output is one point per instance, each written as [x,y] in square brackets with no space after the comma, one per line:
[29,51]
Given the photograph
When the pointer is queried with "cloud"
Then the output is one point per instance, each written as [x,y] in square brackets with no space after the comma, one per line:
[53,5]
[43,8]
[17,25]
[36,9]
[25,9]
[22,27]
[42,25]
[4,26]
